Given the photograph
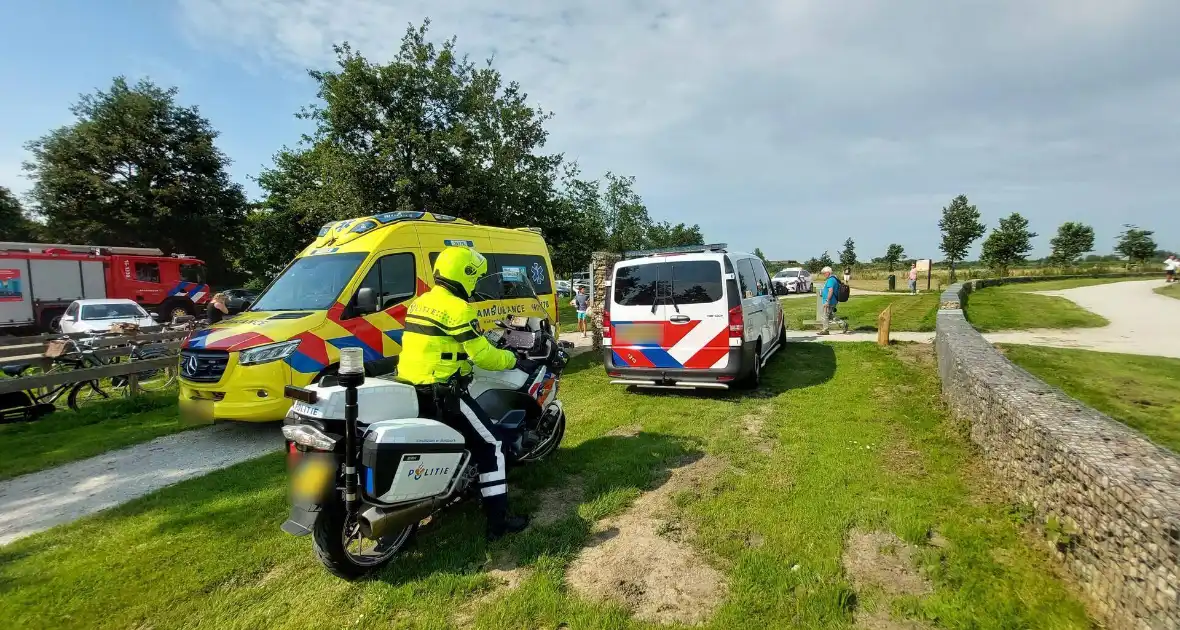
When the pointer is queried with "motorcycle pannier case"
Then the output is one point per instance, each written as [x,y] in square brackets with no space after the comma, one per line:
[408,460]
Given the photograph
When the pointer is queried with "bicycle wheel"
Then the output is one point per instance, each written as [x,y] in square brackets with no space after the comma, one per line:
[85,393]
[50,394]
[155,379]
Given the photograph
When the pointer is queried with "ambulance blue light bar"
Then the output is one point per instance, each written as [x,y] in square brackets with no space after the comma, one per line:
[686,249]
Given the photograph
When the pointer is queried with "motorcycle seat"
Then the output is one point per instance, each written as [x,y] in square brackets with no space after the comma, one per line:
[15,369]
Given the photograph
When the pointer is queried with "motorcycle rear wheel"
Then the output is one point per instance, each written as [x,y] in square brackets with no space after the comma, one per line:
[551,445]
[342,551]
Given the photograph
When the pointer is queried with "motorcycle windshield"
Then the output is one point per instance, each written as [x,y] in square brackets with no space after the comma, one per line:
[513,289]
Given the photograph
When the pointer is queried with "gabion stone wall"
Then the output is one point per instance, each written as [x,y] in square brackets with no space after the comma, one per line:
[602,264]
[1109,499]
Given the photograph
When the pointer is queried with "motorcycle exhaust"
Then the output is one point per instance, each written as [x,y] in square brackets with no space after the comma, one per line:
[376,522]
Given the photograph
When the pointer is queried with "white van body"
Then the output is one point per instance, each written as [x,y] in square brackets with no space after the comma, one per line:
[704,318]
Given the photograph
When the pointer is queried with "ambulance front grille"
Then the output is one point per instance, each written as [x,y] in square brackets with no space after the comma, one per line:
[203,366]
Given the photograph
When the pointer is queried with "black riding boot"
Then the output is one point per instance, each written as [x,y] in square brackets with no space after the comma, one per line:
[500,522]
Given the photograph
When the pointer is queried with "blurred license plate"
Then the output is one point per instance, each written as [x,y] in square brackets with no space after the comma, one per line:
[312,478]
[637,334]
[196,411]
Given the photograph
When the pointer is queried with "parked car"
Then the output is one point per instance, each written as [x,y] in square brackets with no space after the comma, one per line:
[695,318]
[565,288]
[98,315]
[236,300]
[793,280]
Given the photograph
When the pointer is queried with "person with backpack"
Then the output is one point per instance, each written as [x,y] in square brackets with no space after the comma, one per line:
[832,293]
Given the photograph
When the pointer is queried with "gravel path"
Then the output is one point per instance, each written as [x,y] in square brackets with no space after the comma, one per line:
[1141,322]
[40,500]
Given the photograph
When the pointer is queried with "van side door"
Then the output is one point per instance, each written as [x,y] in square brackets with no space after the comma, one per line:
[773,308]
[753,306]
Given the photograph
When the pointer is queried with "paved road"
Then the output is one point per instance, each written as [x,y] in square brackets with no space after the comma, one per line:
[40,500]
[1141,322]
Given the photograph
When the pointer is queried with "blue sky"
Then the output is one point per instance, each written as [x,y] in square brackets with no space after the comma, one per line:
[783,125]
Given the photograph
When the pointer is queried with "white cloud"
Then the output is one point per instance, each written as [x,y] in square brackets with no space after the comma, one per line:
[825,112]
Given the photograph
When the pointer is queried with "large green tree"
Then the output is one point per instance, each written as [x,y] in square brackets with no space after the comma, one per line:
[848,254]
[664,234]
[1008,244]
[893,255]
[1136,244]
[14,223]
[430,130]
[960,227]
[1073,239]
[137,168]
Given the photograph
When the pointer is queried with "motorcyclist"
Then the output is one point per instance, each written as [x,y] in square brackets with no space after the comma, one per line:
[441,340]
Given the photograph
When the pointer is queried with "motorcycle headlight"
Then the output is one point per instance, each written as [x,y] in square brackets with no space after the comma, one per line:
[269,352]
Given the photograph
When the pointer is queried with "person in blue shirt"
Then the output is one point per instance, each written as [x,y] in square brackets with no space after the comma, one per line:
[830,296]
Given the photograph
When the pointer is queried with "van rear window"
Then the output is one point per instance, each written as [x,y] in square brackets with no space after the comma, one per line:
[687,282]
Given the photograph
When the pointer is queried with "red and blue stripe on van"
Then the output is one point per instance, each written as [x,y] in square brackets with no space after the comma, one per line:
[195,291]
[676,348]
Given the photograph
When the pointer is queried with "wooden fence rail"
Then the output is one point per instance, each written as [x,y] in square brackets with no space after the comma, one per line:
[125,368]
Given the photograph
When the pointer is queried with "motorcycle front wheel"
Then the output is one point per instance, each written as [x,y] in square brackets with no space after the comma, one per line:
[345,553]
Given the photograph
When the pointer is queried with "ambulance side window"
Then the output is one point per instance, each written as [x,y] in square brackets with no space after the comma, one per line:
[392,278]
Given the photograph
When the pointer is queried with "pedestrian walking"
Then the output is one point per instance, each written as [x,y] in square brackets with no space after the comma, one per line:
[830,294]
[581,302]
[914,279]
[1170,266]
[847,274]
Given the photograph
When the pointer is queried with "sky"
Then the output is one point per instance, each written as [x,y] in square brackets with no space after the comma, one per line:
[788,125]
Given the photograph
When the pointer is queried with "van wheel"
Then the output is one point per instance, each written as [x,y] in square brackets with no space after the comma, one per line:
[754,378]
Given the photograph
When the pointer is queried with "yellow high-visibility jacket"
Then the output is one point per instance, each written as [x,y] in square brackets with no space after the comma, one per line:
[443,336]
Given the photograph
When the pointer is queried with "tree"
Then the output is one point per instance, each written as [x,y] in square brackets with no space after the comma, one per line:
[1135,244]
[664,234]
[893,255]
[960,227]
[815,265]
[427,131]
[1008,244]
[136,168]
[14,223]
[758,253]
[848,254]
[1072,240]
[627,221]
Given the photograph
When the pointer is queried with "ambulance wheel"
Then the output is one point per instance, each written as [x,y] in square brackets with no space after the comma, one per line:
[345,553]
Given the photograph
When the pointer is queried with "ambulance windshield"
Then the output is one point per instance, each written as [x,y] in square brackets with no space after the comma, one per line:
[311,283]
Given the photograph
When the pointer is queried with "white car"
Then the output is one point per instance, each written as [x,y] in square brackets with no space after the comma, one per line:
[99,315]
[793,280]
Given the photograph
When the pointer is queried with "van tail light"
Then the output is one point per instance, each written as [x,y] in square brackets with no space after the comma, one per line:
[737,324]
[608,332]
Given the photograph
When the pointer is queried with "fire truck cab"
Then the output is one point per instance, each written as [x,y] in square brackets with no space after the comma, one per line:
[38,281]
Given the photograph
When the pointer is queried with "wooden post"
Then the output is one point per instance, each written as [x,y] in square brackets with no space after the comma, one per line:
[883,321]
[133,384]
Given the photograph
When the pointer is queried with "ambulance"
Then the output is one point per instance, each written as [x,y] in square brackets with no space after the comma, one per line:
[292,334]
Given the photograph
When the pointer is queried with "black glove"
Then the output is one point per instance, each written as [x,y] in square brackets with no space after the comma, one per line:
[528,365]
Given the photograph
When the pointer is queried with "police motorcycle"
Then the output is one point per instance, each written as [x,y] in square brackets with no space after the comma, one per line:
[367,470]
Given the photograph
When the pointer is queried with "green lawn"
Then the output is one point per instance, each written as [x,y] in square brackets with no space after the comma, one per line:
[66,435]
[910,312]
[1005,308]
[1142,392]
[1170,290]
[816,452]
[1058,285]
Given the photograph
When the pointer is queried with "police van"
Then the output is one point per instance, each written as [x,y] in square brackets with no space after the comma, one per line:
[292,334]
[692,317]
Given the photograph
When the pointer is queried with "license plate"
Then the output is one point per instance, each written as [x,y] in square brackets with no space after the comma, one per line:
[305,409]
[196,411]
[312,478]
[637,334]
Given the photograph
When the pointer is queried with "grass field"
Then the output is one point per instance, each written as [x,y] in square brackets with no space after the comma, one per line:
[1141,392]
[910,312]
[1015,307]
[1170,290]
[66,435]
[840,437]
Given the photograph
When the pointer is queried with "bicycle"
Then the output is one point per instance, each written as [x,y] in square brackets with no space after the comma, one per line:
[66,354]
[149,380]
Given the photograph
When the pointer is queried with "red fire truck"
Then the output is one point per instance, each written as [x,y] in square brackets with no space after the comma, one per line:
[39,280]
